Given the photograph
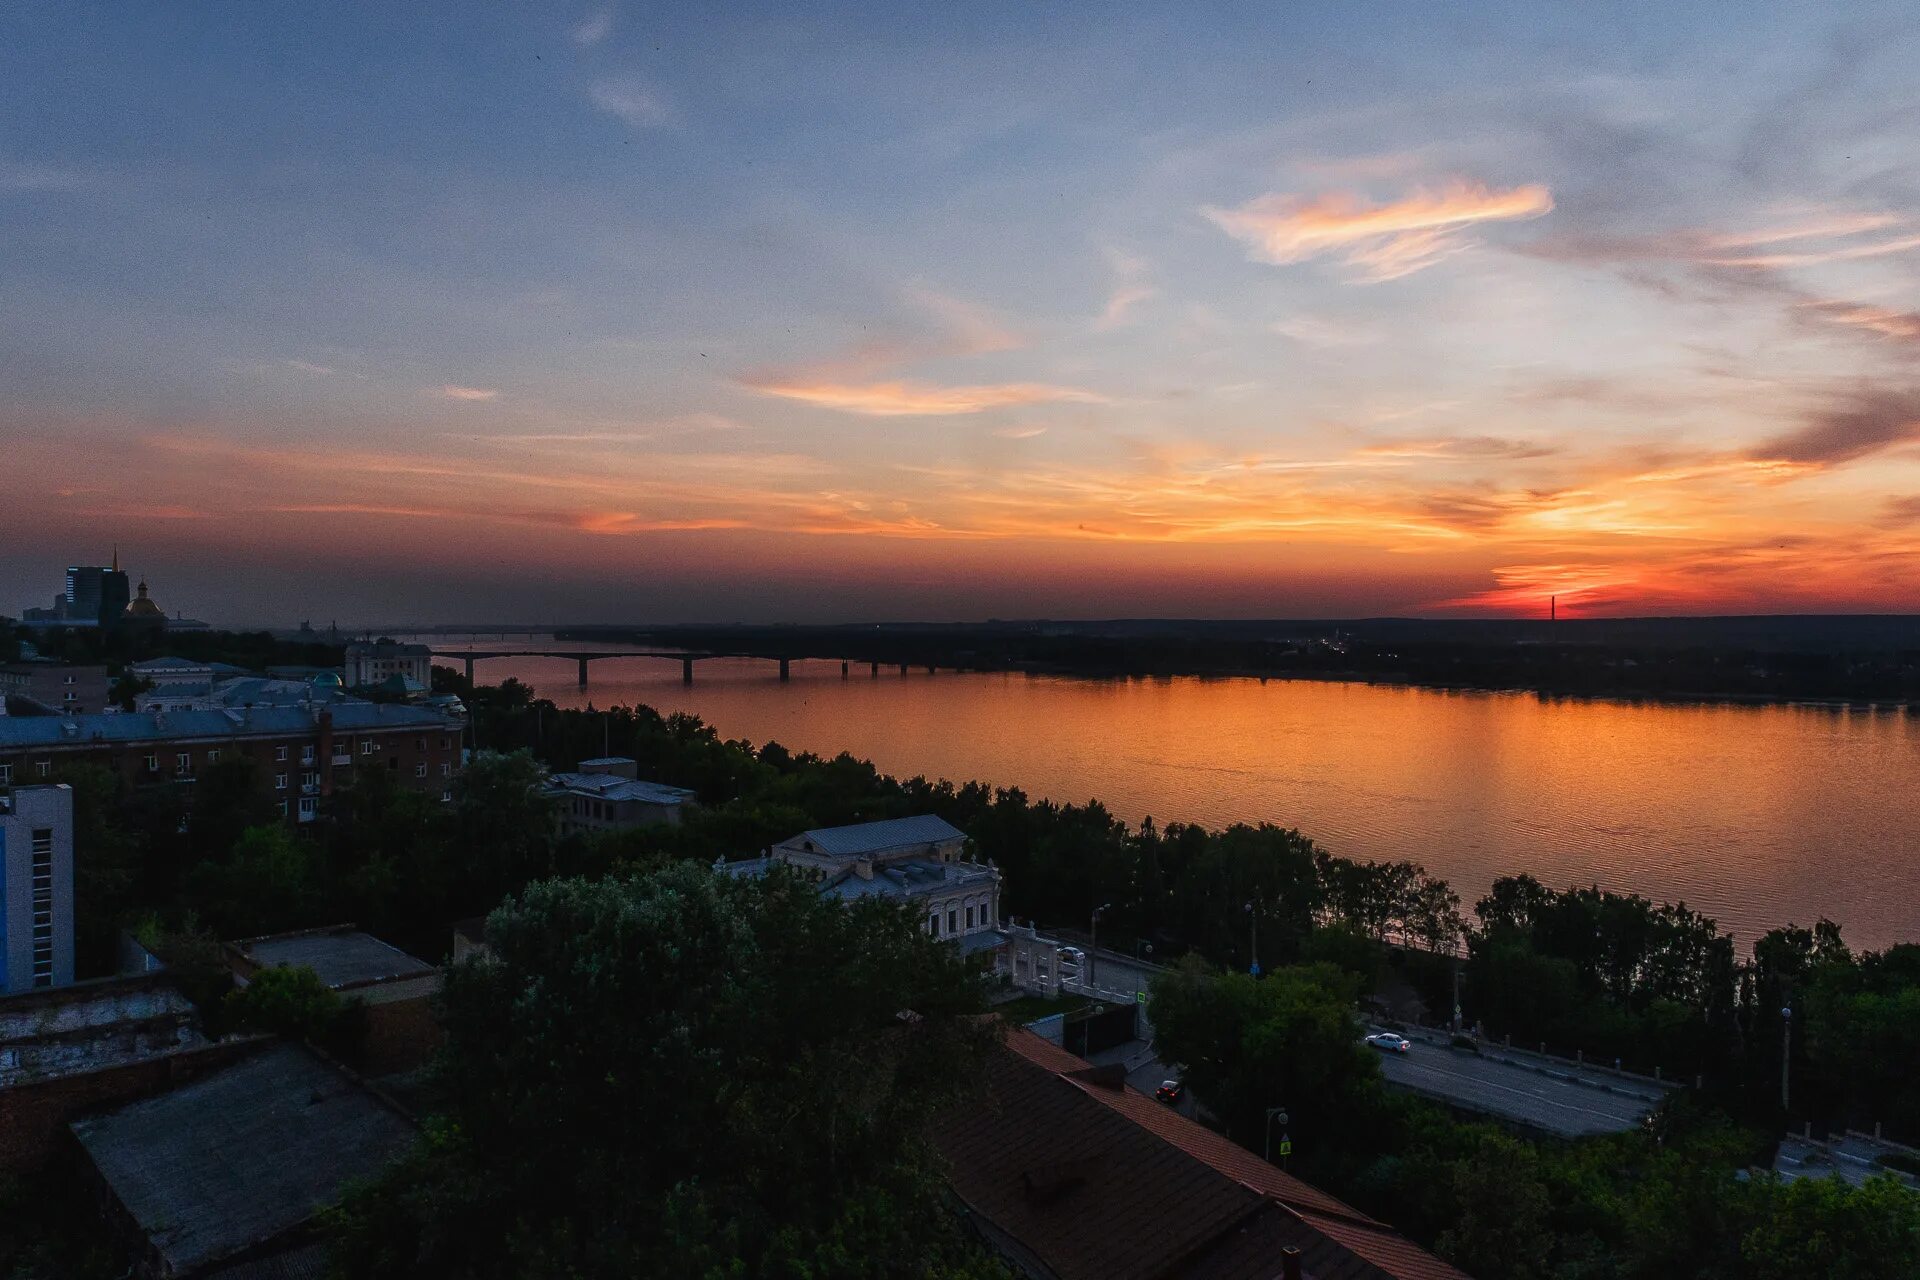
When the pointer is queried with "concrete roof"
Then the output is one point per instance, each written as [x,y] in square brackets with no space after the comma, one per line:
[608,786]
[240,1156]
[170,726]
[342,957]
[905,880]
[88,1026]
[878,837]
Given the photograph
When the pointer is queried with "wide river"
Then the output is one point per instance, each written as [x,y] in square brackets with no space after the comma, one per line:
[1756,815]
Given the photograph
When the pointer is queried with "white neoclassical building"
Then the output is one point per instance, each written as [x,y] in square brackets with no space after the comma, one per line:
[914,860]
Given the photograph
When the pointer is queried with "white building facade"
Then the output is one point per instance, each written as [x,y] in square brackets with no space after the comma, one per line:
[36,888]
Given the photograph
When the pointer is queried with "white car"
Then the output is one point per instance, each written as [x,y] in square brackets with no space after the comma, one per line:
[1387,1042]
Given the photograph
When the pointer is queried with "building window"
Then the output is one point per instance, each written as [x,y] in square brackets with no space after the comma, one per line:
[445,743]
[366,746]
[306,755]
[153,764]
[6,775]
[307,805]
[933,924]
[213,756]
[969,917]
[279,782]
[44,768]
[953,919]
[446,771]
[280,753]
[183,764]
[68,680]
[446,796]
[419,744]
[420,771]
[310,778]
[42,885]
[283,808]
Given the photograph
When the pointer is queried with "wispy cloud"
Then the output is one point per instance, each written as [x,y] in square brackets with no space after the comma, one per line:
[1323,334]
[593,29]
[1019,433]
[308,366]
[452,392]
[26,178]
[1852,426]
[1383,241]
[629,98]
[1899,325]
[1129,288]
[920,399]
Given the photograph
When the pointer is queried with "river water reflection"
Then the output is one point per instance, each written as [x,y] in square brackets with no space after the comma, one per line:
[1754,815]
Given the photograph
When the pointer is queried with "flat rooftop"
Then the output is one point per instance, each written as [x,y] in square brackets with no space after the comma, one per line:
[89,1026]
[343,957]
[238,1157]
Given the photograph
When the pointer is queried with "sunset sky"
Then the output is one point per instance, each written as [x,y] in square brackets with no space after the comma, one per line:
[815,312]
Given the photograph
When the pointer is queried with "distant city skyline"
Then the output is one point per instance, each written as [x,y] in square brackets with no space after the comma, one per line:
[623,313]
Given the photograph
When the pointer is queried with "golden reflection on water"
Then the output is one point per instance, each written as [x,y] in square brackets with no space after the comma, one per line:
[1755,815]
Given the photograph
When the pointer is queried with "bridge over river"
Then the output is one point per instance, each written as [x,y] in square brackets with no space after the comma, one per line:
[685,657]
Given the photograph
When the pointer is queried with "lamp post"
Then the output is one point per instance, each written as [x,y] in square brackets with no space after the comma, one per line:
[1093,950]
[1280,1114]
[1786,1051]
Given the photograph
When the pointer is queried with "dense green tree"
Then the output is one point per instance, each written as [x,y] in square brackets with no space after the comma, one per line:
[287,1001]
[1290,1039]
[683,1074]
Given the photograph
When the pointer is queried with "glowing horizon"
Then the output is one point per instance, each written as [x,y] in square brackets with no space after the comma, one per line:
[613,314]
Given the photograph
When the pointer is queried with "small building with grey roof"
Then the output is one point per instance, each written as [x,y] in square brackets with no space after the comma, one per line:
[401,1030]
[607,794]
[238,1162]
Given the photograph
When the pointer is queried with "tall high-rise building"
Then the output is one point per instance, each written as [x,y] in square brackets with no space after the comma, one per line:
[36,888]
[96,594]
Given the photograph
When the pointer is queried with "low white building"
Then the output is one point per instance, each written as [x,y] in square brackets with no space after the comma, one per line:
[376,663]
[914,861]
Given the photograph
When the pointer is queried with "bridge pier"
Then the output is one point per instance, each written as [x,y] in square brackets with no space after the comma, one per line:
[903,668]
[784,672]
[929,668]
[686,671]
[843,668]
[469,674]
[876,670]
[583,673]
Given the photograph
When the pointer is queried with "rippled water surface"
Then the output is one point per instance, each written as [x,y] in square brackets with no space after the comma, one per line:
[1755,815]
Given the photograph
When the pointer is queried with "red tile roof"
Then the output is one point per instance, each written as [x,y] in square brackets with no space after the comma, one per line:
[1068,1169]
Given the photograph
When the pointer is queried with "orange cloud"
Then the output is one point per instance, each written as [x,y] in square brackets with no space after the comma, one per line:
[1386,241]
[469,393]
[1904,325]
[919,399]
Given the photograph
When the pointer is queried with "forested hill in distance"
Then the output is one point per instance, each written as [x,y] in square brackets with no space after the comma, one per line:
[1862,657]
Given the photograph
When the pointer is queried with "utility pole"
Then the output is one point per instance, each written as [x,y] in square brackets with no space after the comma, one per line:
[1786,1052]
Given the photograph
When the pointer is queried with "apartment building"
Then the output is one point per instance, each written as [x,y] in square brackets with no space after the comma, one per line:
[303,752]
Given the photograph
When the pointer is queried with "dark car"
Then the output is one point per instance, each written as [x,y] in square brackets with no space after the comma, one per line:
[1170,1091]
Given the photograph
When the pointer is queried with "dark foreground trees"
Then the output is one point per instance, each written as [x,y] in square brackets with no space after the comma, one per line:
[685,1075]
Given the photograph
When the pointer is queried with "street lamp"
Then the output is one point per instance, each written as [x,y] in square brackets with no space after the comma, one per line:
[1253,939]
[1093,950]
[1280,1114]
[1786,1051]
